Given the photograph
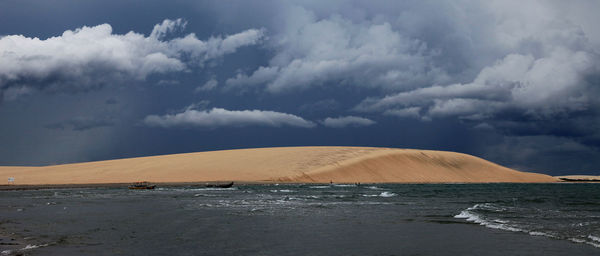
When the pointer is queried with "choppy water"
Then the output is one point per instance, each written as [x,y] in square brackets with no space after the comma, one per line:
[467,219]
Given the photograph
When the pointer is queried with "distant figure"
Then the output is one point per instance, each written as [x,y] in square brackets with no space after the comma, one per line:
[330,182]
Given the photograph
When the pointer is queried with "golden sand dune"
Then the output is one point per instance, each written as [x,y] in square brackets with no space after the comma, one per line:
[286,164]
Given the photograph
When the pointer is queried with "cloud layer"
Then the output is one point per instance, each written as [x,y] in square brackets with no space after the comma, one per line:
[91,57]
[501,79]
[345,121]
[312,51]
[219,117]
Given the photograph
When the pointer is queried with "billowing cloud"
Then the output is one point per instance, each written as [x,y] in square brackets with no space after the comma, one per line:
[312,51]
[542,87]
[219,117]
[90,57]
[542,79]
[341,122]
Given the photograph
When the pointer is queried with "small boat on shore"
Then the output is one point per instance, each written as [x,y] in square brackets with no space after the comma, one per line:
[142,185]
[223,185]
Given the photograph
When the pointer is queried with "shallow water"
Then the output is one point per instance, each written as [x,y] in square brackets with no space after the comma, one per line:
[433,219]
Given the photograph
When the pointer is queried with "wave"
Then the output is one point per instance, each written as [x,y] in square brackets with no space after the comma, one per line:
[26,248]
[495,224]
[344,185]
[383,194]
[470,215]
[283,191]
[583,241]
[387,194]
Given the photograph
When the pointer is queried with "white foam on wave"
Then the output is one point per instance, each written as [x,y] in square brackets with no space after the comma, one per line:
[470,216]
[387,194]
[33,246]
[27,247]
[282,191]
[374,188]
[595,241]
[383,194]
[319,187]
[344,185]
[594,238]
[537,233]
[583,241]
[577,240]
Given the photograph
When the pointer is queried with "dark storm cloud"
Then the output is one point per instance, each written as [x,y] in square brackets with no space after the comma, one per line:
[547,154]
[312,51]
[475,61]
[513,81]
[82,123]
[111,101]
[91,57]
[320,107]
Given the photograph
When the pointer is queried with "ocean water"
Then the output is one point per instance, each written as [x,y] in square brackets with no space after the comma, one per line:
[305,219]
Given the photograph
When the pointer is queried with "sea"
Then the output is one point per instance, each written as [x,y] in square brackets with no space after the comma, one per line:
[305,219]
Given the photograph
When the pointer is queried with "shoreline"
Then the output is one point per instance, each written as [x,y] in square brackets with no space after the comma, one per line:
[237,183]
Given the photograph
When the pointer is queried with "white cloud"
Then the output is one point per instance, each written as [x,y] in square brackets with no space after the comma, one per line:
[209,85]
[542,86]
[219,117]
[90,57]
[312,51]
[341,122]
[470,60]
[167,26]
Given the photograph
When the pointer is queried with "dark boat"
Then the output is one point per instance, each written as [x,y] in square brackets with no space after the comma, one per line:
[224,185]
[141,185]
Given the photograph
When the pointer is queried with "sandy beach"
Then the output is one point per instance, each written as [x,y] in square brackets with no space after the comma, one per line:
[282,165]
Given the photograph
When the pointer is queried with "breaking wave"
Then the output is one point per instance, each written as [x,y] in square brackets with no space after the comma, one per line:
[477,214]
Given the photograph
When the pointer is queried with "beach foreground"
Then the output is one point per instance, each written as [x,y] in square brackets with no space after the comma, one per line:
[281,165]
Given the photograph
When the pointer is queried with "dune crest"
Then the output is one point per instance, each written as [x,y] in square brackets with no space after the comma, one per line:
[285,164]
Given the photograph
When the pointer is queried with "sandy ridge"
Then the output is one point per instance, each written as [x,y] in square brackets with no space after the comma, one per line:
[285,164]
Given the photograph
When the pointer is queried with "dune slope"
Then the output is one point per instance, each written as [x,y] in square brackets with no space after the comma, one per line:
[286,164]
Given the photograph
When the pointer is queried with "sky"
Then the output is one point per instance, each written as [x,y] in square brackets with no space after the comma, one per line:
[514,82]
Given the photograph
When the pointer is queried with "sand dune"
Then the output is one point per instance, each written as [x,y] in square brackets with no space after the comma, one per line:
[286,164]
